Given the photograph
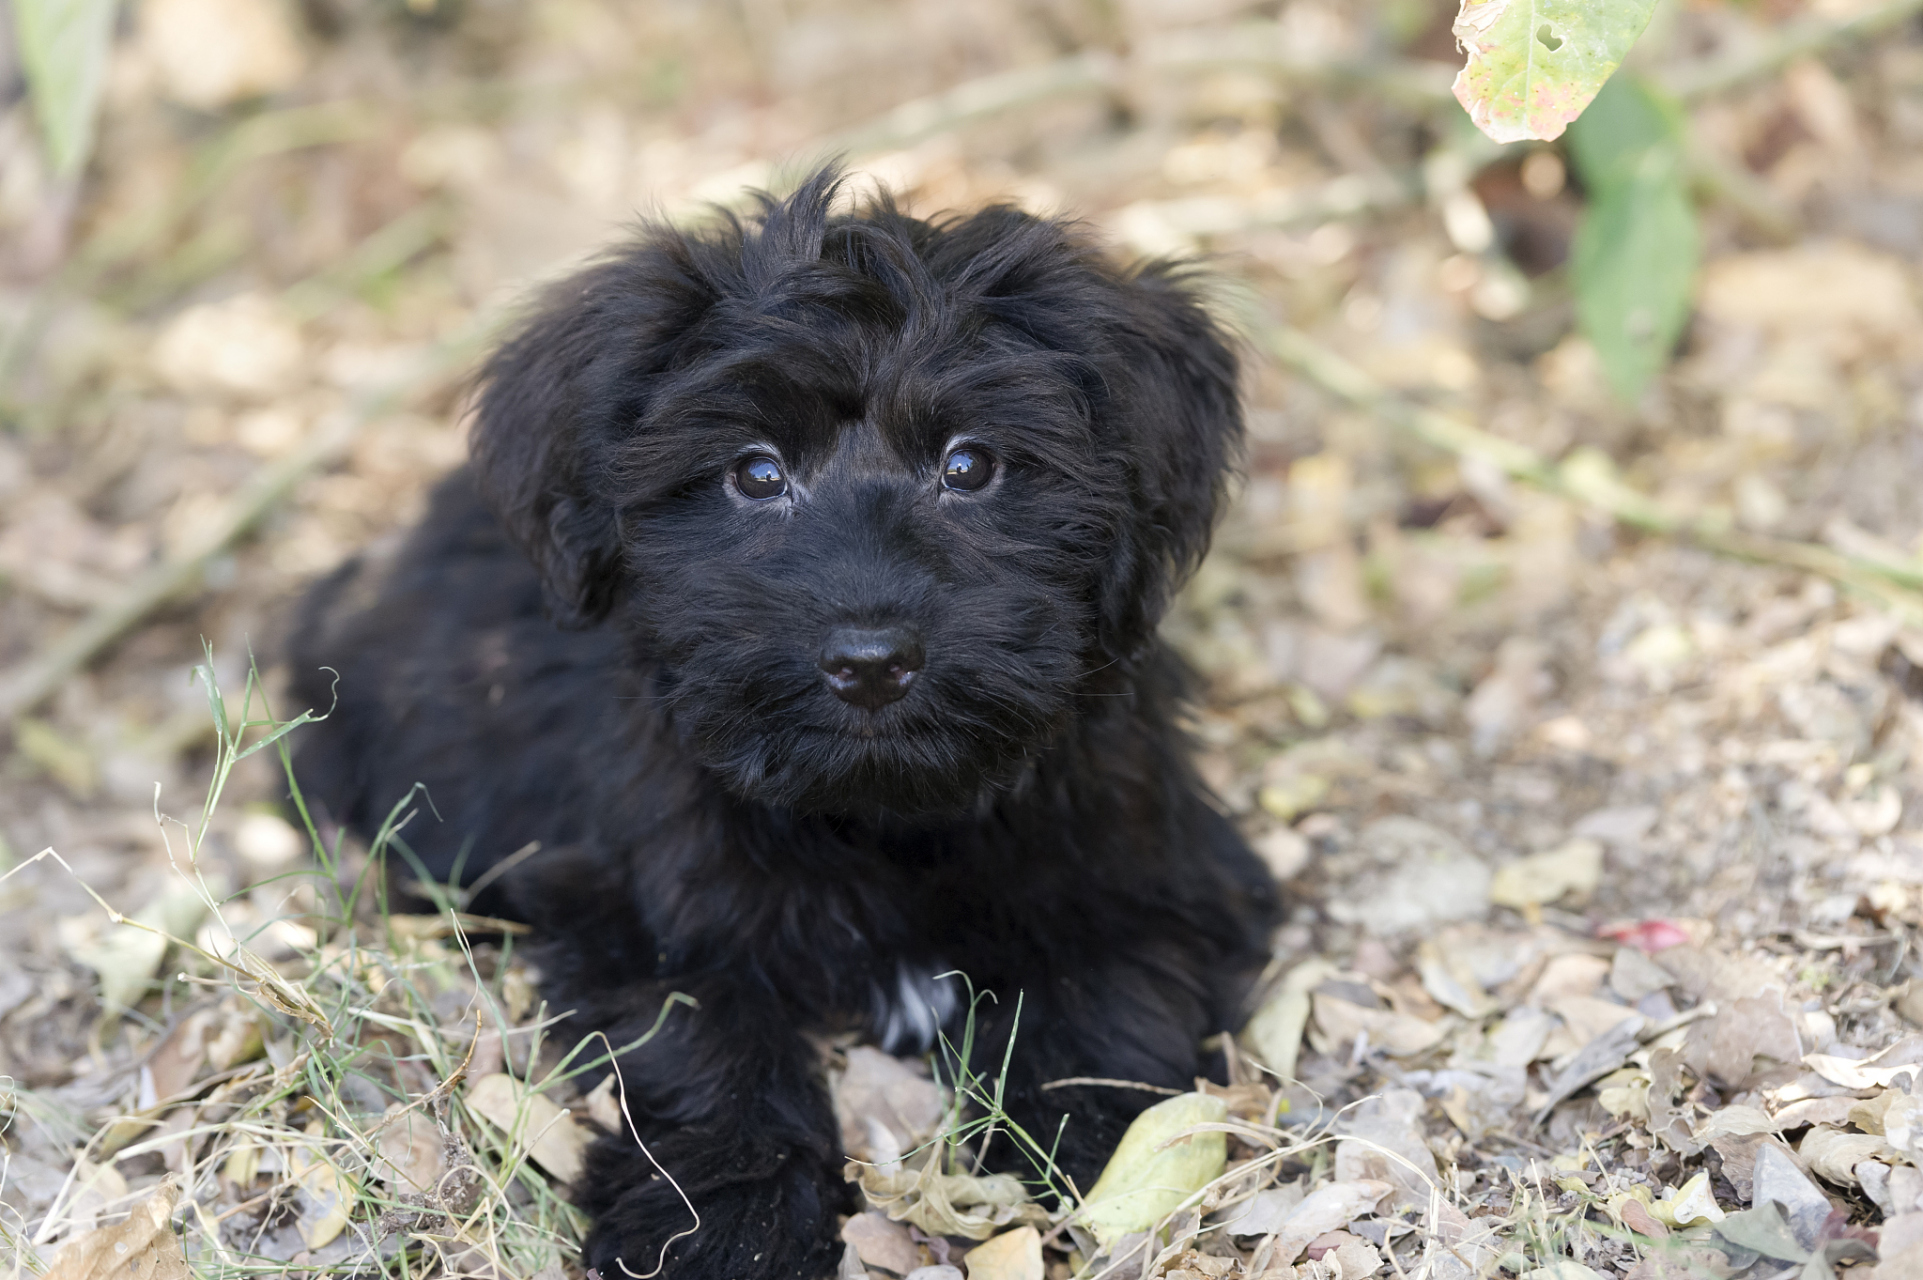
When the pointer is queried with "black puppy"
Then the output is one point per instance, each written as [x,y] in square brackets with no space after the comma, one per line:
[880,515]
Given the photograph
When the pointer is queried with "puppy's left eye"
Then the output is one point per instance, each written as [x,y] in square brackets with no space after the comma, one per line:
[967,470]
[760,477]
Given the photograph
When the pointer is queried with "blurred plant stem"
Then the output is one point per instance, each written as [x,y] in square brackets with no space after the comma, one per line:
[1588,477]
[1737,67]
[141,234]
[28,684]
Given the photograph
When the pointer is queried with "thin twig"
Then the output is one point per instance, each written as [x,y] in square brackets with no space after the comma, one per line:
[1256,46]
[1150,222]
[1588,477]
[1265,48]
[971,100]
[1078,1081]
[1723,72]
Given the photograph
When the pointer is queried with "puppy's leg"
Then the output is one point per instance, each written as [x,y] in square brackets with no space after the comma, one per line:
[729,1100]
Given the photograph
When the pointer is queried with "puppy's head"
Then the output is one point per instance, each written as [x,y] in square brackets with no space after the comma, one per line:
[883,500]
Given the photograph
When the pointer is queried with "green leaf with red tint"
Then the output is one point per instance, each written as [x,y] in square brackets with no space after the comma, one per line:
[1535,64]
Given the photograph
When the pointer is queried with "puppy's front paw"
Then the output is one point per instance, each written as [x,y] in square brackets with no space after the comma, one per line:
[767,1228]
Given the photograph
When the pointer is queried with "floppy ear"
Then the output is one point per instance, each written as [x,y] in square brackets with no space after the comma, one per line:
[558,397]
[1172,393]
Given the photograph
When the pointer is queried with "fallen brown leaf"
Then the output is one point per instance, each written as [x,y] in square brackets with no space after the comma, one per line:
[143,1247]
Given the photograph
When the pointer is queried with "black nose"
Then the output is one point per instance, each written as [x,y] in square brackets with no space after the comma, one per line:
[871,667]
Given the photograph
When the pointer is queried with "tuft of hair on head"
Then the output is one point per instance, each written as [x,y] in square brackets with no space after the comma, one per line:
[792,228]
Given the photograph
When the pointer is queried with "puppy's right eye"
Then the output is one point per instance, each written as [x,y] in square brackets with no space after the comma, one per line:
[760,478]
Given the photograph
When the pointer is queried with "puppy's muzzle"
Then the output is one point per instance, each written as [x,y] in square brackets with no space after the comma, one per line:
[871,668]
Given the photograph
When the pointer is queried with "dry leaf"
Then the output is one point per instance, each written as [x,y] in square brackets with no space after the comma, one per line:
[949,1204]
[879,1242]
[1573,974]
[1349,1254]
[268,843]
[143,1247]
[1903,1125]
[1275,1032]
[1327,1208]
[1637,1217]
[1574,868]
[95,1187]
[331,1196]
[1520,1037]
[242,1164]
[1424,877]
[1504,704]
[411,1150]
[887,1106]
[518,992]
[1744,1037]
[1879,1071]
[1328,572]
[1633,975]
[1833,1154]
[1690,1203]
[1587,1018]
[210,53]
[1473,1243]
[1340,1023]
[1809,1111]
[1482,1100]
[1159,1163]
[1013,1255]
[1263,1213]
[1284,851]
[1450,982]
[1899,1249]
[1777,1180]
[1384,1143]
[550,1135]
[1735,1120]
[1593,1061]
[126,956]
[604,1105]
[236,1037]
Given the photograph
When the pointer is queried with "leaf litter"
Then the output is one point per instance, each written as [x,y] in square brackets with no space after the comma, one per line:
[1602,852]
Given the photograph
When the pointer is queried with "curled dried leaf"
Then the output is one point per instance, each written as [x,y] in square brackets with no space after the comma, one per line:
[950,1204]
[143,1247]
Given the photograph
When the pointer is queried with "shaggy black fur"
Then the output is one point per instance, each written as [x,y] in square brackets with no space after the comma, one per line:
[1005,791]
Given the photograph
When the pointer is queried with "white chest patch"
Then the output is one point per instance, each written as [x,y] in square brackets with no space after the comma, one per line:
[908,1018]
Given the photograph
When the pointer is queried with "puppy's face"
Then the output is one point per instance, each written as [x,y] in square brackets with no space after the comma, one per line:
[880,501]
[867,566]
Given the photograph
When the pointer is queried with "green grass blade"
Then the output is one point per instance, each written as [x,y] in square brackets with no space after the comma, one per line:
[63,47]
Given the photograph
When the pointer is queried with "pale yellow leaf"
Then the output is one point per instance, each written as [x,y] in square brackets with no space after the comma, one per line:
[547,1132]
[1161,1161]
[1013,1255]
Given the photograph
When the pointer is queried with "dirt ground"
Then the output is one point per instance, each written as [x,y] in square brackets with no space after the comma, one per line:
[1605,849]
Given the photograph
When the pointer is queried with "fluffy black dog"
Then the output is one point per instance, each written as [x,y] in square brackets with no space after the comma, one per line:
[800,600]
